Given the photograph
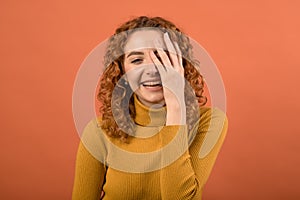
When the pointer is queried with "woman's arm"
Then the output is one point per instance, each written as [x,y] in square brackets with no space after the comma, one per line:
[89,176]
[185,178]
[89,171]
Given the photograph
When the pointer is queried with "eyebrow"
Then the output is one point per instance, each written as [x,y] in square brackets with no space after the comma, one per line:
[135,53]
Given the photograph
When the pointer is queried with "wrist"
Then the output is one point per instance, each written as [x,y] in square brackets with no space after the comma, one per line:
[176,115]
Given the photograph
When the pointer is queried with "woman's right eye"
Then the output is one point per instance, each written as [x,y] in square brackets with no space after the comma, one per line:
[137,61]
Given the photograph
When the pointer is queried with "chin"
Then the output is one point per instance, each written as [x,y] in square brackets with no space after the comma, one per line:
[151,99]
[155,101]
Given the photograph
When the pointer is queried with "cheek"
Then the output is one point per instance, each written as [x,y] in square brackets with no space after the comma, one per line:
[133,76]
[127,67]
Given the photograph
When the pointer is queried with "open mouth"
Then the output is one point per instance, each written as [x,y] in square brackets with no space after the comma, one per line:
[151,84]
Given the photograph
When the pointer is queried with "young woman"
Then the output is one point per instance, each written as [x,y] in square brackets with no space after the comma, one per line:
[155,139]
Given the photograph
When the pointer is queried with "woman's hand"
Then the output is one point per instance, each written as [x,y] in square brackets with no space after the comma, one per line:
[172,76]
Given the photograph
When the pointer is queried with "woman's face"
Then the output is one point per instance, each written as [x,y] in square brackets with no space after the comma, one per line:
[141,72]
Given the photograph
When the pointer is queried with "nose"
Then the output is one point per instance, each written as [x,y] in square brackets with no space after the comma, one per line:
[151,70]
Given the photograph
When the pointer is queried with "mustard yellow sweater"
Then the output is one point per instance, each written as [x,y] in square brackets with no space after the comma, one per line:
[140,170]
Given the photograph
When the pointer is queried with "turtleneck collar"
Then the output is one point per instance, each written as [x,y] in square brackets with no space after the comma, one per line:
[146,116]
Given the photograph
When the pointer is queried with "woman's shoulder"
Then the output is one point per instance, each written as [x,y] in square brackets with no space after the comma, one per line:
[90,129]
[94,139]
[211,110]
[208,113]
[91,124]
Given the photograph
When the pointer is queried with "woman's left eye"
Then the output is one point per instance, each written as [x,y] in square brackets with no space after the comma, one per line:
[137,61]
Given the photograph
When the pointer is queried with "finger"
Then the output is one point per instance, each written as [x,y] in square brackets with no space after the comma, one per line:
[172,51]
[163,56]
[161,69]
[179,55]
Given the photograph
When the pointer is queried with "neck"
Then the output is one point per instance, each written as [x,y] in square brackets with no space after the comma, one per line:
[154,115]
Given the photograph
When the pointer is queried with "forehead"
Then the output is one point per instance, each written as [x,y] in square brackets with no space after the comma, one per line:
[143,39]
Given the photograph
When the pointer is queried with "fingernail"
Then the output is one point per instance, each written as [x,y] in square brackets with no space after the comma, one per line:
[176,45]
[166,35]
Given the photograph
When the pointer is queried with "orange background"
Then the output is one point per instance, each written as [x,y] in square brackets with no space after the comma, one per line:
[254,43]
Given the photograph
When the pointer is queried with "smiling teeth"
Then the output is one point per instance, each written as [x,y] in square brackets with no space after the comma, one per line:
[156,83]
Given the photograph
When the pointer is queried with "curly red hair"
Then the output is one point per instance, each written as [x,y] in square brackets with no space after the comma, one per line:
[111,78]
